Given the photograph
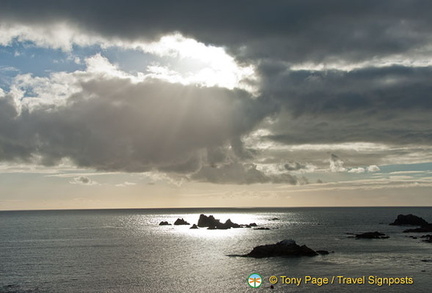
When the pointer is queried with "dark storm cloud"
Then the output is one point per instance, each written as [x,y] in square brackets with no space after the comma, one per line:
[391,88]
[388,104]
[114,124]
[294,31]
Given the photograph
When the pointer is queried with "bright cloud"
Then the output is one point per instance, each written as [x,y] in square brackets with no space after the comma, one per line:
[212,66]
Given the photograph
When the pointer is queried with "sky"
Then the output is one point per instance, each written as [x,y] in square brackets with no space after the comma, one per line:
[164,104]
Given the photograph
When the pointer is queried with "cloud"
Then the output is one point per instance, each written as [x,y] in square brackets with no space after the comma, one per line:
[238,173]
[336,164]
[125,184]
[369,169]
[294,166]
[293,31]
[109,120]
[341,75]
[4,68]
[358,170]
[373,168]
[331,106]
[83,180]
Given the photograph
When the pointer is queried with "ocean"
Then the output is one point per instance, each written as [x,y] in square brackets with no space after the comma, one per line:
[127,251]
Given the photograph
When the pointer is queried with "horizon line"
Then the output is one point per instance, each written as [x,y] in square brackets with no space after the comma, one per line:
[197,208]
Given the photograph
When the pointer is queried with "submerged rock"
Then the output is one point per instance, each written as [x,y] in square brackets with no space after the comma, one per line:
[181,222]
[285,248]
[323,252]
[262,228]
[164,223]
[404,220]
[14,288]
[371,235]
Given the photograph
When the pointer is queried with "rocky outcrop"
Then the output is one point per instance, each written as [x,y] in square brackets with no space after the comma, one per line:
[423,229]
[211,223]
[181,222]
[230,224]
[412,220]
[371,235]
[428,238]
[284,248]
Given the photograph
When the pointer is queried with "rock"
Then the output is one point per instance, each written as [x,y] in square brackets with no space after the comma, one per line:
[428,238]
[205,221]
[194,226]
[323,252]
[164,223]
[262,228]
[287,242]
[371,235]
[422,229]
[181,222]
[213,223]
[230,224]
[284,248]
[252,225]
[403,220]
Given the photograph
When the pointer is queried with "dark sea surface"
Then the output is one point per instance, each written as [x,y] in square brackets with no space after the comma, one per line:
[127,251]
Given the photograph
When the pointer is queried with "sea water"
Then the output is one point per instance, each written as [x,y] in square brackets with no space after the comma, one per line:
[127,251]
